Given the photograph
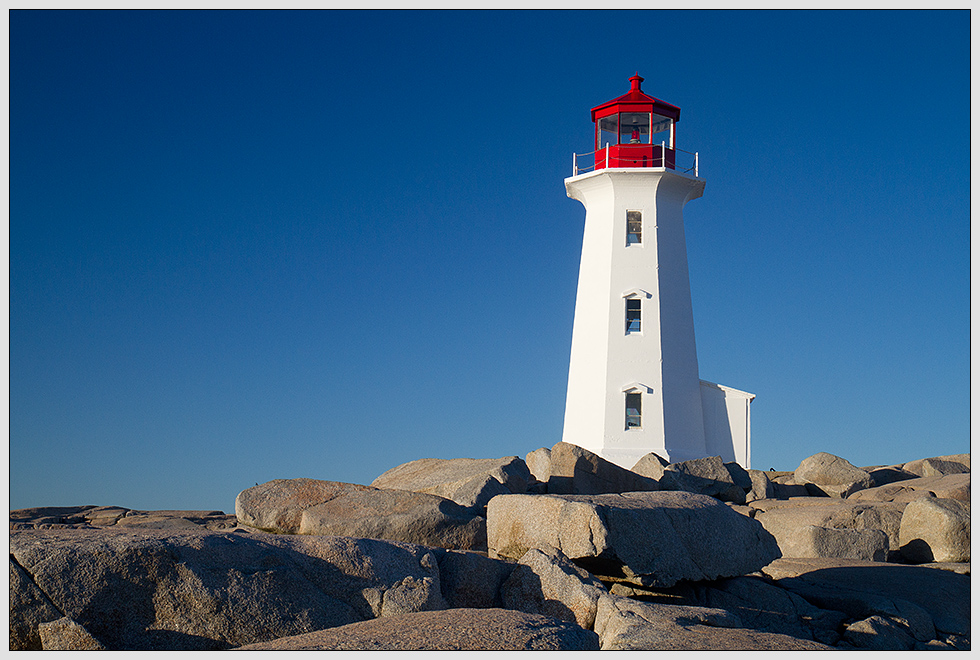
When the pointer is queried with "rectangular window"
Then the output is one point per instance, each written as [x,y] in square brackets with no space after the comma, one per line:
[634,227]
[632,315]
[633,410]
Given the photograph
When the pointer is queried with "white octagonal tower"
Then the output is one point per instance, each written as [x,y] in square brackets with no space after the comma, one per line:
[633,383]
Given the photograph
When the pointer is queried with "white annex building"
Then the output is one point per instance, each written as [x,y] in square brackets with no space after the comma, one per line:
[633,384]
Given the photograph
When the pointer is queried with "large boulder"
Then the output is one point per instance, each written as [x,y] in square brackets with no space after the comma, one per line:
[707,476]
[448,630]
[935,530]
[577,471]
[310,506]
[546,582]
[162,590]
[628,625]
[648,538]
[830,527]
[832,475]
[470,482]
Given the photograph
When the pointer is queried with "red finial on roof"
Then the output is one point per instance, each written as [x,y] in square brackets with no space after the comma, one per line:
[635,82]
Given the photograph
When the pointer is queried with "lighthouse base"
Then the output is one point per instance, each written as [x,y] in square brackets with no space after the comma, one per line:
[727,432]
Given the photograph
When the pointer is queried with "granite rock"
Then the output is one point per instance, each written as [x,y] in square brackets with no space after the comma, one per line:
[470,482]
[577,471]
[309,506]
[648,538]
[447,630]
[935,530]
[832,475]
[546,582]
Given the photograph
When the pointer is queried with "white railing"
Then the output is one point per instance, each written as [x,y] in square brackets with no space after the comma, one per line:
[606,161]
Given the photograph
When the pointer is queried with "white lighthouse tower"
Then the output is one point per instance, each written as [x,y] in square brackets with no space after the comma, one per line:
[633,383]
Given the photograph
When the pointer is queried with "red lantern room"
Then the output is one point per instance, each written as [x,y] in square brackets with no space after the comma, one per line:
[635,130]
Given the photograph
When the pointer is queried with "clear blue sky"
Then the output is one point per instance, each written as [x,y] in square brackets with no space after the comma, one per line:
[257,245]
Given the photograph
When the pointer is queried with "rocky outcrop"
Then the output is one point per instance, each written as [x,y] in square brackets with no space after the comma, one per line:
[89,517]
[309,506]
[576,471]
[449,630]
[651,539]
[643,569]
[469,482]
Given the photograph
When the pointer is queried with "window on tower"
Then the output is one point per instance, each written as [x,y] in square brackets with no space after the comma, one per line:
[633,410]
[632,315]
[634,227]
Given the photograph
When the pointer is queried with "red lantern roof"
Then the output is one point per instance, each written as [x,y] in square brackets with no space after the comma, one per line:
[636,100]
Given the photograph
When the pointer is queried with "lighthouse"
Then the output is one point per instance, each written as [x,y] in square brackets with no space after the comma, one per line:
[633,379]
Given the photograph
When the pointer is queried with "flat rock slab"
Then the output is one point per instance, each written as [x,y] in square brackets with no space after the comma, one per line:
[85,517]
[650,538]
[951,486]
[447,630]
[628,625]
[158,590]
[862,589]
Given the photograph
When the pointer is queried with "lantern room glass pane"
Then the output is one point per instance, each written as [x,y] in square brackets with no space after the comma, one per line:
[608,130]
[634,128]
[661,130]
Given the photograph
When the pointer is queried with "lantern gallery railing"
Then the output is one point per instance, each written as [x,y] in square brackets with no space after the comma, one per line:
[660,157]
